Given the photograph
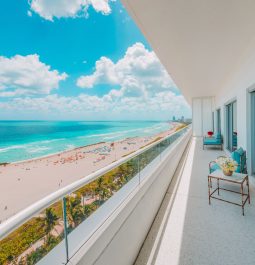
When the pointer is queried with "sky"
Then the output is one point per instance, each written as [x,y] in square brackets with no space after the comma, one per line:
[80,60]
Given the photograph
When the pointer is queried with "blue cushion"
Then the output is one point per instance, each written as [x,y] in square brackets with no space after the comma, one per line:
[242,159]
[218,135]
[240,151]
[237,157]
[212,141]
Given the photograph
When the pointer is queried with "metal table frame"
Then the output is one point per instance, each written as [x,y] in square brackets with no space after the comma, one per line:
[220,177]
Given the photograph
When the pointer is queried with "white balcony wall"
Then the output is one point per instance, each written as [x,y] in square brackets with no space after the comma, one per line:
[197,116]
[202,115]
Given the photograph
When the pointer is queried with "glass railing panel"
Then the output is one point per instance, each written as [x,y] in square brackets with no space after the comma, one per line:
[83,206]
[30,242]
[170,140]
[86,201]
[148,156]
[164,144]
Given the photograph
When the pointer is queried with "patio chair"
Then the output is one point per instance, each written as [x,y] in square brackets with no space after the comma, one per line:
[239,156]
[213,141]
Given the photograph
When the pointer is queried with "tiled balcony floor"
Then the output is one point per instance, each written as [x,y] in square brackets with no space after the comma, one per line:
[187,231]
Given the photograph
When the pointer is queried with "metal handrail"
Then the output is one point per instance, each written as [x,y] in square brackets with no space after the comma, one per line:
[20,218]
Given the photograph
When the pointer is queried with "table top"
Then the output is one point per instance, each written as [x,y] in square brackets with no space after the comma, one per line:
[236,177]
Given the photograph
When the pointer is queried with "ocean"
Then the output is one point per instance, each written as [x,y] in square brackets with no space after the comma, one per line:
[22,140]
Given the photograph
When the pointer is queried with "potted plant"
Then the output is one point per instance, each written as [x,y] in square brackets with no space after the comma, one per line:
[210,134]
[227,164]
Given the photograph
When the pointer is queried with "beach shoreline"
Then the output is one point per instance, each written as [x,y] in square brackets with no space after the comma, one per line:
[25,182]
[50,155]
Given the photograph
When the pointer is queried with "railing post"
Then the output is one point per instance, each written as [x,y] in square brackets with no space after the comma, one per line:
[159,146]
[65,228]
[139,171]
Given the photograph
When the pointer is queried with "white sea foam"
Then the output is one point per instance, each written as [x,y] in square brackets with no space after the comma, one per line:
[30,145]
[49,141]
[109,137]
[119,133]
[5,149]
[70,146]
[37,149]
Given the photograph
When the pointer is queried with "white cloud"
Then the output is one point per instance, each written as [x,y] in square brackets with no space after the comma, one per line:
[48,9]
[138,64]
[26,75]
[141,89]
[104,74]
[114,105]
[101,6]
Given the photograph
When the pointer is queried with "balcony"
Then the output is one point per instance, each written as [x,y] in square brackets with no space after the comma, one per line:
[189,231]
[172,187]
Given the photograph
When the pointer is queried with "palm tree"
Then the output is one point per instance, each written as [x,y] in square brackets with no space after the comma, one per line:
[50,221]
[105,193]
[98,189]
[111,185]
[75,210]
[88,209]
[119,177]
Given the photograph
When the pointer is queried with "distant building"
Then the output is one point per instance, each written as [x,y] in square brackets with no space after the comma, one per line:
[189,120]
[173,118]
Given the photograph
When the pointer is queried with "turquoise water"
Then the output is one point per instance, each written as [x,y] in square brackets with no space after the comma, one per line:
[21,140]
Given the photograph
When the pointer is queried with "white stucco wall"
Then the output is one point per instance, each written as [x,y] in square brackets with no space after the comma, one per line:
[202,120]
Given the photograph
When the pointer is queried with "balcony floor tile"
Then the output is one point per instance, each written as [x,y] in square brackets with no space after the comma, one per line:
[188,231]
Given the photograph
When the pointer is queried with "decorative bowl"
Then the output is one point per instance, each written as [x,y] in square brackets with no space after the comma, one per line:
[227,172]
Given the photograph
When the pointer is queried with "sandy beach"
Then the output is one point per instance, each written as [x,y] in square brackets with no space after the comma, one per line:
[23,183]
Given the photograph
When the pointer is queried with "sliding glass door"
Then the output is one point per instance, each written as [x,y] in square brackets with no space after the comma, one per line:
[231,126]
[234,137]
[213,121]
[253,133]
[218,120]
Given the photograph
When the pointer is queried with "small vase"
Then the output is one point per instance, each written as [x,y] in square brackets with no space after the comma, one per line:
[227,172]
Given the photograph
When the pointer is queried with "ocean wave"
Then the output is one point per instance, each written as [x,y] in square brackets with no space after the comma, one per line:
[155,128]
[93,135]
[49,141]
[6,149]
[98,135]
[38,149]
[29,145]
[109,137]
[70,146]
[118,133]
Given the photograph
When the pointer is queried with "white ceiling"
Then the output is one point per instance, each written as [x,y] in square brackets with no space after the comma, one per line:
[200,42]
